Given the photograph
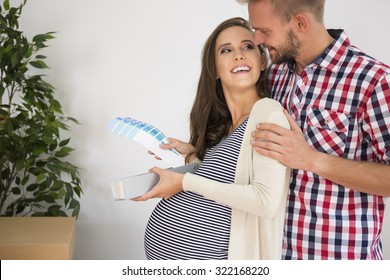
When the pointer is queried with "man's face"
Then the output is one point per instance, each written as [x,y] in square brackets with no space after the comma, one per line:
[273,32]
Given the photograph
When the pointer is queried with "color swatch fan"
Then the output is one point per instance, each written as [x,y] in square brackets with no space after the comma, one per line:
[147,135]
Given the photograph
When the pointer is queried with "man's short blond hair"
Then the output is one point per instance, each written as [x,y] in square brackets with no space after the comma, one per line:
[286,9]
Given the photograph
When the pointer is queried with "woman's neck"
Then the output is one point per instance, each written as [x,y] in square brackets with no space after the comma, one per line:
[240,106]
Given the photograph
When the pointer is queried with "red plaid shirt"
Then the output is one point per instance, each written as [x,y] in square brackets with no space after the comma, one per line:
[342,103]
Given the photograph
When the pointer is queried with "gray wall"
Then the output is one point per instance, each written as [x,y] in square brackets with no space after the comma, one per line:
[142,59]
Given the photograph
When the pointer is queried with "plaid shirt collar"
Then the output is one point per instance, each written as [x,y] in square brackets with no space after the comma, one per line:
[330,58]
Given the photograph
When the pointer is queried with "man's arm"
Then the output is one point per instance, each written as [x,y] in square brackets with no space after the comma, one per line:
[291,149]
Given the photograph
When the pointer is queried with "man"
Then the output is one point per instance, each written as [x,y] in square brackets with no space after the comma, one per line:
[339,145]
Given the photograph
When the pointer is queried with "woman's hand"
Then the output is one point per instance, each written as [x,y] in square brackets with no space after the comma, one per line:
[183,148]
[170,183]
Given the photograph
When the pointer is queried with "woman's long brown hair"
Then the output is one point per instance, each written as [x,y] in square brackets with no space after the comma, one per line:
[210,118]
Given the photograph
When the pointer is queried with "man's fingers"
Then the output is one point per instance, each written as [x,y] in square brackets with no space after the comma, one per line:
[271,127]
[293,124]
[264,136]
[267,145]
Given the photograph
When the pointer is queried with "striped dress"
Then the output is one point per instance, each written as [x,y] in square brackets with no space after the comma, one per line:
[190,226]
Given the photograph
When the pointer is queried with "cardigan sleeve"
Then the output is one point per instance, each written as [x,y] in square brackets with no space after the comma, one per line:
[264,181]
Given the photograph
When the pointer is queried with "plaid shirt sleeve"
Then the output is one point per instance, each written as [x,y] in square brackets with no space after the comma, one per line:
[377,120]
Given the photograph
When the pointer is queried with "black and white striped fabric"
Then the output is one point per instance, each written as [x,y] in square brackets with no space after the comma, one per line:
[189,226]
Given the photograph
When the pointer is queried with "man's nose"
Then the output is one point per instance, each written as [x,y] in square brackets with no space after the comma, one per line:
[258,38]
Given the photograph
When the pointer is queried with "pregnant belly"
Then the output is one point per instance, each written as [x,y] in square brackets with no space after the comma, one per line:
[188,226]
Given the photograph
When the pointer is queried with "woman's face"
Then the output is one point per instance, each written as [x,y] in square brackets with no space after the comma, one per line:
[238,60]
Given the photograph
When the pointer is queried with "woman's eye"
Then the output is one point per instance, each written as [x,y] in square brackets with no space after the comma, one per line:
[225,50]
[249,47]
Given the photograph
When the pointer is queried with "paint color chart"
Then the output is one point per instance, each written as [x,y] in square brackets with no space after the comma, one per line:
[148,136]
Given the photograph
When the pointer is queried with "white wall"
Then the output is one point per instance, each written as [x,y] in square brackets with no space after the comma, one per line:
[141,59]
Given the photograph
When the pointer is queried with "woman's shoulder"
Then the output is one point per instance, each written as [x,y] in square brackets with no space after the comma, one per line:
[267,103]
[270,111]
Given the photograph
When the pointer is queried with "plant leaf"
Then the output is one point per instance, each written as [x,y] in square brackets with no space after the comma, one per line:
[6,5]
[40,64]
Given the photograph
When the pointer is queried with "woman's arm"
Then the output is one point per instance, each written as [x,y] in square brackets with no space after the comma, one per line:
[262,197]
[270,178]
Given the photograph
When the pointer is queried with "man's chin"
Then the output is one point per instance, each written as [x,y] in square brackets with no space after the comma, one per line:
[272,54]
[274,58]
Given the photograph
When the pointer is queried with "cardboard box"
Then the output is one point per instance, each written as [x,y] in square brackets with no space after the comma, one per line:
[37,238]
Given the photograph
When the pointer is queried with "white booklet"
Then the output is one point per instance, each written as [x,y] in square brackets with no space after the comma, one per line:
[133,186]
[147,135]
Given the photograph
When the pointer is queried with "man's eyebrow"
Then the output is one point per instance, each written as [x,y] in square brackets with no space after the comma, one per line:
[261,29]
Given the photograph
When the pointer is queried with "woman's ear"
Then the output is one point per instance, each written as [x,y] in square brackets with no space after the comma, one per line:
[263,60]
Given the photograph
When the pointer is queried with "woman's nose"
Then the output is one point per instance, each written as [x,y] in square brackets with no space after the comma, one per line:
[239,56]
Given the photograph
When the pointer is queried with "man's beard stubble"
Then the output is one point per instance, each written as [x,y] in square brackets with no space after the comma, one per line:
[287,52]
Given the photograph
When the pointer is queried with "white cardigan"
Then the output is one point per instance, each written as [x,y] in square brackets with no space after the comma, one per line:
[258,196]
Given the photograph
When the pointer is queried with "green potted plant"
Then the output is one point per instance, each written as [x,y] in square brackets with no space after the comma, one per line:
[35,178]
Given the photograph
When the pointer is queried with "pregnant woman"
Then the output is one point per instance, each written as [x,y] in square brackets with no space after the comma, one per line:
[233,207]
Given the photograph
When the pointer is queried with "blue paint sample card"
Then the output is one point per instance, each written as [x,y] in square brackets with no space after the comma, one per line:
[148,136]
